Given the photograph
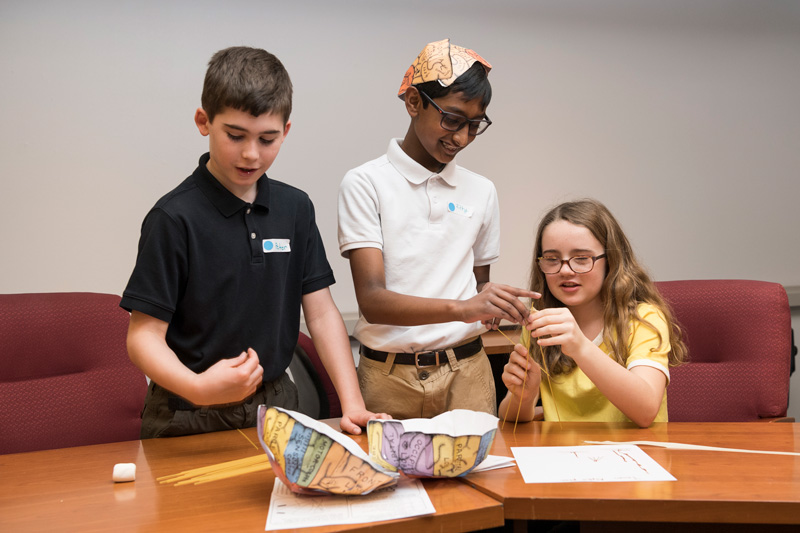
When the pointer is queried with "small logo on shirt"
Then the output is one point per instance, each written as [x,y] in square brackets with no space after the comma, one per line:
[272,246]
[460,209]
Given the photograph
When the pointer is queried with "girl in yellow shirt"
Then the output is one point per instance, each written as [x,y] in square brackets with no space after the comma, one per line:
[603,333]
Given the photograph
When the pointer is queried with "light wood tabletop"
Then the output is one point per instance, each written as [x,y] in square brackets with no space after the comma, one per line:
[71,489]
[711,487]
[497,343]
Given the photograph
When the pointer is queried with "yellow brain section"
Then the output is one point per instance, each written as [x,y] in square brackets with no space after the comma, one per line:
[314,461]
[452,456]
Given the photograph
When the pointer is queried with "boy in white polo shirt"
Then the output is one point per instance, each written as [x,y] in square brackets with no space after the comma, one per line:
[420,233]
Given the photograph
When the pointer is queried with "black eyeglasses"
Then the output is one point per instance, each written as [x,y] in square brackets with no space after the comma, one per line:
[454,121]
[580,264]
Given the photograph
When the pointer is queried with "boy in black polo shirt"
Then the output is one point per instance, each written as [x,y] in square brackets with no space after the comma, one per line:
[225,261]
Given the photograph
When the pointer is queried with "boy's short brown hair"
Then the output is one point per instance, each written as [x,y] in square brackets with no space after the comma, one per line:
[247,79]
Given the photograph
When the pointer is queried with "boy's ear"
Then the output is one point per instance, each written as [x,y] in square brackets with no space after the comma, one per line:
[201,120]
[413,101]
[286,128]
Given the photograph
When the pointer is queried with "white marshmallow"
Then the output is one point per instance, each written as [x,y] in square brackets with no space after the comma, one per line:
[124,472]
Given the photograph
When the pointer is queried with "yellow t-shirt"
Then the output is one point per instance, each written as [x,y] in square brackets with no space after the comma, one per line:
[578,398]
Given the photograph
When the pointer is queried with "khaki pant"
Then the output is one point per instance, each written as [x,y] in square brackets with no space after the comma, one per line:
[405,391]
[158,420]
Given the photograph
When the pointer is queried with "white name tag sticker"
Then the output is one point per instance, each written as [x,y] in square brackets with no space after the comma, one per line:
[272,246]
[460,209]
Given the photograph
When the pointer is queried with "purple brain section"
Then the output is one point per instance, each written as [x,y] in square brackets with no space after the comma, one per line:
[411,452]
[416,454]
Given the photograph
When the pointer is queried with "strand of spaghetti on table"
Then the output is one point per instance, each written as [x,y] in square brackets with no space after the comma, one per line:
[218,471]
[229,469]
[248,439]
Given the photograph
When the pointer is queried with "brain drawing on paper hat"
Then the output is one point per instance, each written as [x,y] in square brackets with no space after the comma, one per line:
[440,61]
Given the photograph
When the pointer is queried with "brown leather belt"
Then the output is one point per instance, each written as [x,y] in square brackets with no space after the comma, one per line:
[429,358]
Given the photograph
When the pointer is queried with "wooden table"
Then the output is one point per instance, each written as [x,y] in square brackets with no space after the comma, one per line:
[70,489]
[712,487]
[496,343]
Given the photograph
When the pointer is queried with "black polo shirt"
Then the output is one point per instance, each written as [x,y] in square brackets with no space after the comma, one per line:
[227,275]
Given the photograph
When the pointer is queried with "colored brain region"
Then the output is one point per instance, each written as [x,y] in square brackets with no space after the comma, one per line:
[310,459]
[425,454]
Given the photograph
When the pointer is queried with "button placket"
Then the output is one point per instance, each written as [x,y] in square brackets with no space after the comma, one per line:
[256,251]
[433,190]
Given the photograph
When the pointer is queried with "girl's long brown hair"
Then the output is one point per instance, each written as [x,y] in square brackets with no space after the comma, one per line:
[625,286]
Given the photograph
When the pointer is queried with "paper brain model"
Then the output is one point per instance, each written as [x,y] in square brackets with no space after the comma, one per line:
[311,458]
[448,445]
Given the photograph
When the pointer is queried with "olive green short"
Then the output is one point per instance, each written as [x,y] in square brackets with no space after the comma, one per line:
[168,415]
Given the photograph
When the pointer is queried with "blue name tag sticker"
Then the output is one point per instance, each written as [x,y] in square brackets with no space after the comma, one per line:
[460,209]
[272,246]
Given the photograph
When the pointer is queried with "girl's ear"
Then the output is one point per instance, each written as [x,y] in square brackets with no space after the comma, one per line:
[413,101]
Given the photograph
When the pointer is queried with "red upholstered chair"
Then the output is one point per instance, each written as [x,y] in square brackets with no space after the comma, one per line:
[321,384]
[65,376]
[739,337]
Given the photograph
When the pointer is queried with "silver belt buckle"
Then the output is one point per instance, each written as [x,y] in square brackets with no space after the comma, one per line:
[417,354]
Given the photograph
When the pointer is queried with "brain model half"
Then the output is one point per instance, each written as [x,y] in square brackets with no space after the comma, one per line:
[426,452]
[310,459]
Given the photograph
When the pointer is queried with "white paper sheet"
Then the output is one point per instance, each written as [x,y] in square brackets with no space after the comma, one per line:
[681,446]
[494,461]
[290,510]
[565,464]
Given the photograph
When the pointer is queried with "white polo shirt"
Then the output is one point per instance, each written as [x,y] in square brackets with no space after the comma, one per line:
[432,228]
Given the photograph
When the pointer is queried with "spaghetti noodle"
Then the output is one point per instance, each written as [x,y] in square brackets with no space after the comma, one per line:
[219,471]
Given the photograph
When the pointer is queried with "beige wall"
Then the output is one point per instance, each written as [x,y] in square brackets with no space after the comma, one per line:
[682,116]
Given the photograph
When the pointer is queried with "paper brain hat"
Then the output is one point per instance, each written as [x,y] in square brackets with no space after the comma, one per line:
[440,61]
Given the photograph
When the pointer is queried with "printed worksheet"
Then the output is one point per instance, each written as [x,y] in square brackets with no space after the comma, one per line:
[567,464]
[290,510]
